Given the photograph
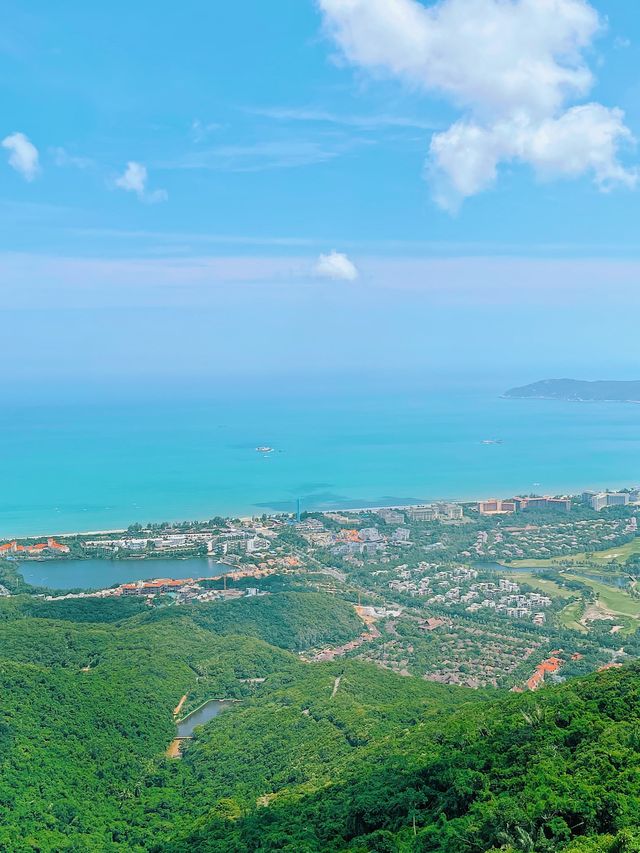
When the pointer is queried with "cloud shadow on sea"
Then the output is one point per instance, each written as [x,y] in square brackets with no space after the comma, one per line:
[333,500]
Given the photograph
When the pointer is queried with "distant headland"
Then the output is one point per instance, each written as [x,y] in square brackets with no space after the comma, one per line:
[579,391]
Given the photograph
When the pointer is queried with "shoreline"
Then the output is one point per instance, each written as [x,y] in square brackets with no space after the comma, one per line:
[562,399]
[338,508]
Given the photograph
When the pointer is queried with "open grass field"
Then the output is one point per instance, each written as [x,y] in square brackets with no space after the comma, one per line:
[619,554]
[548,587]
[617,601]
[570,616]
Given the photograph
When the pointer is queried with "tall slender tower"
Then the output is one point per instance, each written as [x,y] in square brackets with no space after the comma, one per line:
[298,510]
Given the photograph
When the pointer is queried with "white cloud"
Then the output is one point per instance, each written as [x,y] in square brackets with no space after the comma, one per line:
[512,67]
[24,155]
[336,266]
[464,160]
[134,180]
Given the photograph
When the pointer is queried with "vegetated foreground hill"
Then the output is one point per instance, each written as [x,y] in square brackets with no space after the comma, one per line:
[339,756]
[577,390]
[555,770]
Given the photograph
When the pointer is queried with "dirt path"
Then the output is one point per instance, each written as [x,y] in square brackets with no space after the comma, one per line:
[173,750]
[336,685]
[178,707]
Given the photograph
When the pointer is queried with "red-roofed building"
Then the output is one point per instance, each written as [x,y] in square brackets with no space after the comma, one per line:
[550,665]
[39,549]
[157,585]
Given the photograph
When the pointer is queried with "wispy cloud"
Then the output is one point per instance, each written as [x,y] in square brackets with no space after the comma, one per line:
[362,122]
[23,155]
[172,241]
[184,237]
[200,130]
[262,156]
[62,158]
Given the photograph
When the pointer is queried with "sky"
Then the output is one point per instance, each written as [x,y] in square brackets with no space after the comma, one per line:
[318,186]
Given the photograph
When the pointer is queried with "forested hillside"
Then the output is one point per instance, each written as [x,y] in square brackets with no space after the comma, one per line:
[339,756]
[538,772]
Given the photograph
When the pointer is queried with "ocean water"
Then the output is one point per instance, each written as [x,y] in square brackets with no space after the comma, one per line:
[113,458]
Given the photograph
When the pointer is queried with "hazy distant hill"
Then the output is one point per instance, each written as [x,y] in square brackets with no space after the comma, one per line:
[578,390]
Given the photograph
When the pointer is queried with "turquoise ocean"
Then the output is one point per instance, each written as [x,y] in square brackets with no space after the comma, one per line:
[102,460]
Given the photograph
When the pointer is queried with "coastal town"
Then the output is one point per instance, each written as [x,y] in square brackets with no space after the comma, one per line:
[474,593]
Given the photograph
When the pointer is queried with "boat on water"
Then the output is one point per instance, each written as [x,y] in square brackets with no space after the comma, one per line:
[264,449]
[491,441]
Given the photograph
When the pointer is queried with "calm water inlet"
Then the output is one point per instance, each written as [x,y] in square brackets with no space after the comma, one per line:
[201,716]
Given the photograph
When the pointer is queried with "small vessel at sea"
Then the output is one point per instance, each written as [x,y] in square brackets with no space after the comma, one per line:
[264,449]
[491,441]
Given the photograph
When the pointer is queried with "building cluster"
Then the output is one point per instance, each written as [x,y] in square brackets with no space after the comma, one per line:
[164,543]
[429,577]
[187,590]
[237,542]
[436,512]
[596,500]
[50,548]
[314,532]
[392,516]
[494,506]
[353,542]
[160,586]
[439,511]
[459,587]
[548,540]
[504,598]
[240,540]
[367,541]
[602,500]
[282,564]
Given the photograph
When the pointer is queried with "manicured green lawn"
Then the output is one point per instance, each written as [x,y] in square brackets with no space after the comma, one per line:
[616,600]
[549,587]
[536,564]
[571,614]
[621,553]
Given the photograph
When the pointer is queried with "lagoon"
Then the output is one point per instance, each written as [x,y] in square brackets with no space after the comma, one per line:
[100,574]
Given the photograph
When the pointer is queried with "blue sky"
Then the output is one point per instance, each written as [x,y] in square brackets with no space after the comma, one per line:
[259,185]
